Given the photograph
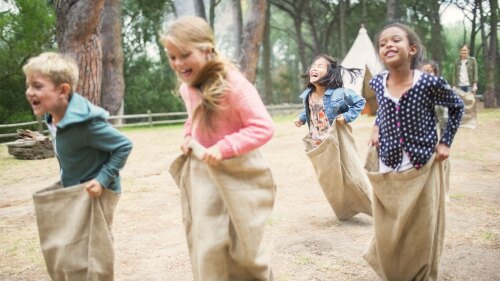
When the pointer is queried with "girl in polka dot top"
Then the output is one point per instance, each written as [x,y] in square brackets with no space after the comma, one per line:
[405,127]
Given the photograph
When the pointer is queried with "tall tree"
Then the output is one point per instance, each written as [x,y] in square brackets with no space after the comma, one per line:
[342,26]
[113,84]
[295,8]
[266,53]
[252,38]
[491,98]
[199,9]
[436,43]
[77,34]
[392,10]
[238,23]
[472,44]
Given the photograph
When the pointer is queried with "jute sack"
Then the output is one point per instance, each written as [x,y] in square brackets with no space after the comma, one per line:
[409,221]
[225,209]
[469,119]
[75,232]
[340,172]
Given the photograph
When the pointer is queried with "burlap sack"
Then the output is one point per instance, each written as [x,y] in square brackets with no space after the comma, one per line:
[469,119]
[75,232]
[340,172]
[225,209]
[409,221]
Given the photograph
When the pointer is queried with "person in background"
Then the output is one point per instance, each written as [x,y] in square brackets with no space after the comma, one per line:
[465,72]
[431,67]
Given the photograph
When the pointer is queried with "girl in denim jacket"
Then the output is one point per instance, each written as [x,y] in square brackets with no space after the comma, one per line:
[330,145]
[325,99]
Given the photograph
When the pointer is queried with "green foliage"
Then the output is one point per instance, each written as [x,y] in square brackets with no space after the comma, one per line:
[149,82]
[26,30]
[150,86]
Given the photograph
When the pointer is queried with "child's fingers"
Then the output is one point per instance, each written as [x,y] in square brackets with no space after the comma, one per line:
[93,190]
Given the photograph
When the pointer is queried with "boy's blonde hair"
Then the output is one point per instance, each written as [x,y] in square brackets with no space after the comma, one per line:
[59,68]
[196,32]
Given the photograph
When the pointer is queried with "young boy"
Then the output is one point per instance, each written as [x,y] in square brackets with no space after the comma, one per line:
[91,153]
[88,148]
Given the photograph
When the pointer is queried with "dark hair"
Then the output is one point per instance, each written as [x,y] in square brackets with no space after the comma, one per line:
[433,64]
[333,76]
[413,39]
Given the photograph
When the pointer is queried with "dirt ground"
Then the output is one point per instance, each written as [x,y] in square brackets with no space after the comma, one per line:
[303,237]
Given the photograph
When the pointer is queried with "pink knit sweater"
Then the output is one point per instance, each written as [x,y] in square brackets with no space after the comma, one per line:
[242,125]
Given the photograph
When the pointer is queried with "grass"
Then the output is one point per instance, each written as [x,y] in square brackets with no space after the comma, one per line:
[457,196]
[487,235]
[472,156]
[303,260]
[489,114]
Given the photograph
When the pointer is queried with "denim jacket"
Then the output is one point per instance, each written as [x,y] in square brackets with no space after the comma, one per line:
[335,101]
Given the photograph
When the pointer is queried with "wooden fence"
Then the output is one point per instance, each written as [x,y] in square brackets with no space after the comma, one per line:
[147,119]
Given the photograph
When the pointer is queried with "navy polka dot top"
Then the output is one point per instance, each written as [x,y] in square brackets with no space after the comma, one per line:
[410,124]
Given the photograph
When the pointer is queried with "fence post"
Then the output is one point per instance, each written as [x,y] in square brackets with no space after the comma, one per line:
[40,124]
[150,118]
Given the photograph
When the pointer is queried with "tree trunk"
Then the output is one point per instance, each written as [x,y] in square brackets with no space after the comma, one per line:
[392,8]
[364,13]
[254,30]
[211,14]
[238,23]
[490,99]
[199,9]
[297,21]
[77,34]
[436,33]
[267,51]
[472,41]
[342,28]
[113,84]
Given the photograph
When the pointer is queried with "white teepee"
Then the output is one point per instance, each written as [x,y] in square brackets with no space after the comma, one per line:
[362,55]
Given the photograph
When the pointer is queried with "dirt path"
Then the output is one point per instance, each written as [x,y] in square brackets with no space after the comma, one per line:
[303,237]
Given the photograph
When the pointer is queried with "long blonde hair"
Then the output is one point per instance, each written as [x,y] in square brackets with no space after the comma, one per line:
[196,32]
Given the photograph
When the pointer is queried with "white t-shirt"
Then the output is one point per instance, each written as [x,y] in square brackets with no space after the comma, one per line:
[463,76]
[53,132]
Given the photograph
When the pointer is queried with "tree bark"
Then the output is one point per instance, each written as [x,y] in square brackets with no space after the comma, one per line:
[211,13]
[77,35]
[491,98]
[199,9]
[342,27]
[253,33]
[238,23]
[392,8]
[113,84]
[472,41]
[437,48]
[267,51]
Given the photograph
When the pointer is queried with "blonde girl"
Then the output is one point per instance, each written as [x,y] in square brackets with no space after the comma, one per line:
[227,190]
[406,172]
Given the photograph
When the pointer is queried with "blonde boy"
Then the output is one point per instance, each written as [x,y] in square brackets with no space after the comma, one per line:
[75,228]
